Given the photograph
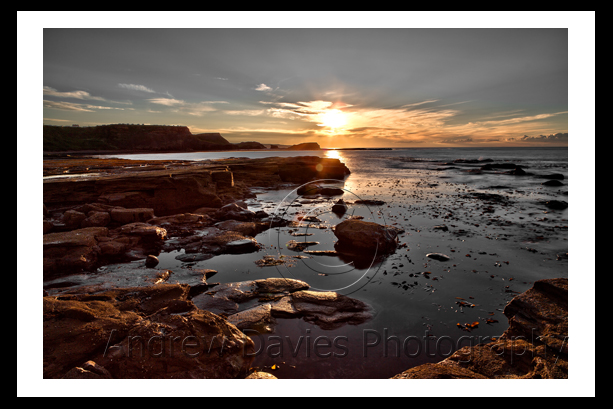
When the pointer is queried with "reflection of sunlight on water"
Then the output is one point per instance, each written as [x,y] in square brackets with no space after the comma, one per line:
[334,154]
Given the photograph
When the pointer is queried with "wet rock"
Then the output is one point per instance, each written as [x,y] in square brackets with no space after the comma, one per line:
[357,237]
[151,261]
[556,204]
[245,228]
[256,317]
[247,245]
[438,256]
[329,309]
[299,245]
[553,176]
[340,207]
[518,171]
[552,183]
[233,211]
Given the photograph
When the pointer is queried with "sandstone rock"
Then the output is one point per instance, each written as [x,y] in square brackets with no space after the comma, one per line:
[233,211]
[357,237]
[151,261]
[89,370]
[245,228]
[72,251]
[256,317]
[261,375]
[96,219]
[72,219]
[223,178]
[132,215]
[330,310]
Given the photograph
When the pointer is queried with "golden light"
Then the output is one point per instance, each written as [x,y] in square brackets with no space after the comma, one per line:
[333,154]
[333,118]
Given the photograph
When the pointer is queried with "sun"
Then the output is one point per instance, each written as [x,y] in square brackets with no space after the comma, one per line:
[333,118]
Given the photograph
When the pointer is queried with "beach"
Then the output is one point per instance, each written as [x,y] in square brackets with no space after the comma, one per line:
[474,228]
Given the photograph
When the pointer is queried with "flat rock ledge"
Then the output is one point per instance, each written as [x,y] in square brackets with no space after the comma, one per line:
[535,346]
[170,331]
[255,304]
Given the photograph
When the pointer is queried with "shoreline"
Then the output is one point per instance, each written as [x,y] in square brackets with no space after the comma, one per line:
[246,171]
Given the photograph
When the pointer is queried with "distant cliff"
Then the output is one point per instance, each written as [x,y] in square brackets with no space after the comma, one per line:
[146,138]
[307,146]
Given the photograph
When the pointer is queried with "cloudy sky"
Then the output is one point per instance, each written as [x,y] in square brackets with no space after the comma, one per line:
[339,87]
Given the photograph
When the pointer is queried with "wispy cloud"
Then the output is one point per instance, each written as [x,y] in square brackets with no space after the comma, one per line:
[70,106]
[166,101]
[136,87]
[71,94]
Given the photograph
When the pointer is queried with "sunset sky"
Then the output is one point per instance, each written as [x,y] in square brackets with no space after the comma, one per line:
[340,87]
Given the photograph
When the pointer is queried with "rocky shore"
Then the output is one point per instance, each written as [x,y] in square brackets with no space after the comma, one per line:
[110,312]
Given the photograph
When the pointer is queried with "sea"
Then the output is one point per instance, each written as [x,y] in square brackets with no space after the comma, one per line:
[499,233]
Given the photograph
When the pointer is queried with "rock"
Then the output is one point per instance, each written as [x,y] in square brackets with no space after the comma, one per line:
[518,171]
[256,317]
[130,334]
[261,375]
[96,219]
[358,237]
[306,168]
[554,176]
[556,204]
[245,228]
[132,215]
[247,245]
[151,261]
[330,310]
[441,227]
[279,285]
[65,253]
[552,183]
[72,219]
[438,256]
[89,370]
[223,179]
[233,211]
[535,346]
[340,207]
[299,245]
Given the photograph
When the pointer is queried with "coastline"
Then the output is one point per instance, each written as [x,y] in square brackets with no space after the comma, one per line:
[249,173]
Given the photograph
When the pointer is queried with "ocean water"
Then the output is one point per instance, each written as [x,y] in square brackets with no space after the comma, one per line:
[496,229]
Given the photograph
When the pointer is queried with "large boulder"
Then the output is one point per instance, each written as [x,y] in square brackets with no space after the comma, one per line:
[306,168]
[358,237]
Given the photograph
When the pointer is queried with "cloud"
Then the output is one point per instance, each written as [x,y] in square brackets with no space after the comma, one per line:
[263,87]
[166,101]
[136,87]
[73,94]
[69,106]
[558,137]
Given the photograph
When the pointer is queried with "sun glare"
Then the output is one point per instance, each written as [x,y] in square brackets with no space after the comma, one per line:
[333,118]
